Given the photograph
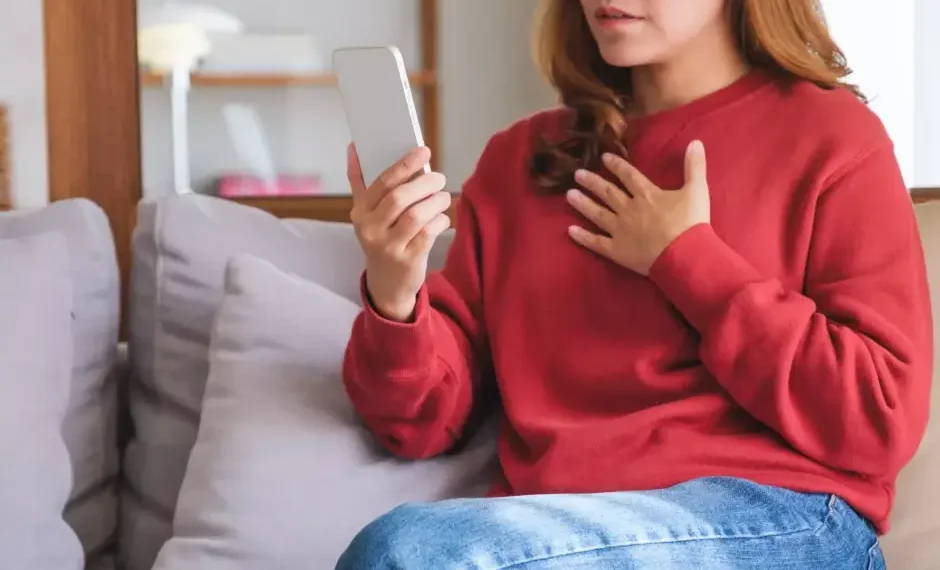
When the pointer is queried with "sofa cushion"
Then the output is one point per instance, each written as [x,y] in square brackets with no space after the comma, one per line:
[182,245]
[913,542]
[282,474]
[91,419]
[35,380]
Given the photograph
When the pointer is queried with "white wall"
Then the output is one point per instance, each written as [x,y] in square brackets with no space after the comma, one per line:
[487,81]
[879,44]
[927,103]
[488,76]
[22,89]
[895,50]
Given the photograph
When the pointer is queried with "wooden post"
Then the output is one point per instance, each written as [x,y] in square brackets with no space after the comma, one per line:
[6,192]
[431,91]
[93,111]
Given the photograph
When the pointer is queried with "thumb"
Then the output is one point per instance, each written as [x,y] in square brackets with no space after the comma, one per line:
[695,166]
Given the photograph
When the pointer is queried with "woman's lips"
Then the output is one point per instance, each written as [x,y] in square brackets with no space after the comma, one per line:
[610,17]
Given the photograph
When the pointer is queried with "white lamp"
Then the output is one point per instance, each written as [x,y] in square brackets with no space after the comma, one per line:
[172,38]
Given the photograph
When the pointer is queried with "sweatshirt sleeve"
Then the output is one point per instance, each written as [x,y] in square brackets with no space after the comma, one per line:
[416,384]
[841,370]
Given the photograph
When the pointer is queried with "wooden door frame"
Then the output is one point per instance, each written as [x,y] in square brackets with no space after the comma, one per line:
[93,110]
[6,200]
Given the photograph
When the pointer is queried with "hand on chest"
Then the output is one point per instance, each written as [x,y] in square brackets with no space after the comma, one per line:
[592,248]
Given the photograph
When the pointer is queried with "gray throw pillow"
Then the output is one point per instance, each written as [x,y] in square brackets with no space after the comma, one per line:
[90,427]
[182,245]
[35,377]
[282,474]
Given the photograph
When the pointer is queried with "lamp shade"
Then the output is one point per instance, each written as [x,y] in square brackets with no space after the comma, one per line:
[173,35]
[207,18]
[163,48]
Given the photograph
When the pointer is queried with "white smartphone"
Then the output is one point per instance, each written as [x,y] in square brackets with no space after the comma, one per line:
[380,110]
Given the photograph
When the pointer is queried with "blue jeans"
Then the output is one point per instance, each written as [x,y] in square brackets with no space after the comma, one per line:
[714,523]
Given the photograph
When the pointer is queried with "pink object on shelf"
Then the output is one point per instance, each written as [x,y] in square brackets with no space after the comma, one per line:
[241,185]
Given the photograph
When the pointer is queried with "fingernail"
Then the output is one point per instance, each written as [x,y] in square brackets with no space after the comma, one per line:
[579,174]
[696,146]
[573,195]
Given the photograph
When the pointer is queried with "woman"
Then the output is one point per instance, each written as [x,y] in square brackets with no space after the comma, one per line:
[719,366]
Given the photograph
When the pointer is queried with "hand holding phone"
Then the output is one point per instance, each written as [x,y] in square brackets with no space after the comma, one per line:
[398,203]
[397,219]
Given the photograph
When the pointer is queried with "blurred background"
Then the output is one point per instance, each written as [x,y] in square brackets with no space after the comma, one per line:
[270,81]
[261,102]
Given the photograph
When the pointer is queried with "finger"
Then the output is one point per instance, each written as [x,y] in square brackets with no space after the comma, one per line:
[396,201]
[635,182]
[396,175]
[695,165]
[425,237]
[418,216]
[601,245]
[607,192]
[599,215]
[354,170]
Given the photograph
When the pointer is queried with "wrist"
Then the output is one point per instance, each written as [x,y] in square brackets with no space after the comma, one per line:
[399,312]
[397,308]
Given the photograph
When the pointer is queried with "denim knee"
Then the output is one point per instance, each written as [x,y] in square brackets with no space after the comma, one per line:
[390,542]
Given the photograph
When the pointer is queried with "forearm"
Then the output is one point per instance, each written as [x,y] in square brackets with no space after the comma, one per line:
[845,385]
[836,394]
[418,384]
[413,383]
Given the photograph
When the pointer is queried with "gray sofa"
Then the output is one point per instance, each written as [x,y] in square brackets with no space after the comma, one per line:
[223,439]
[89,424]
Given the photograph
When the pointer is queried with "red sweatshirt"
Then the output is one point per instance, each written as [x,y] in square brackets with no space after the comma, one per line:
[788,343]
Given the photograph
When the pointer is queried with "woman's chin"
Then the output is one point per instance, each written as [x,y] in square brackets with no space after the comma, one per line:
[621,56]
